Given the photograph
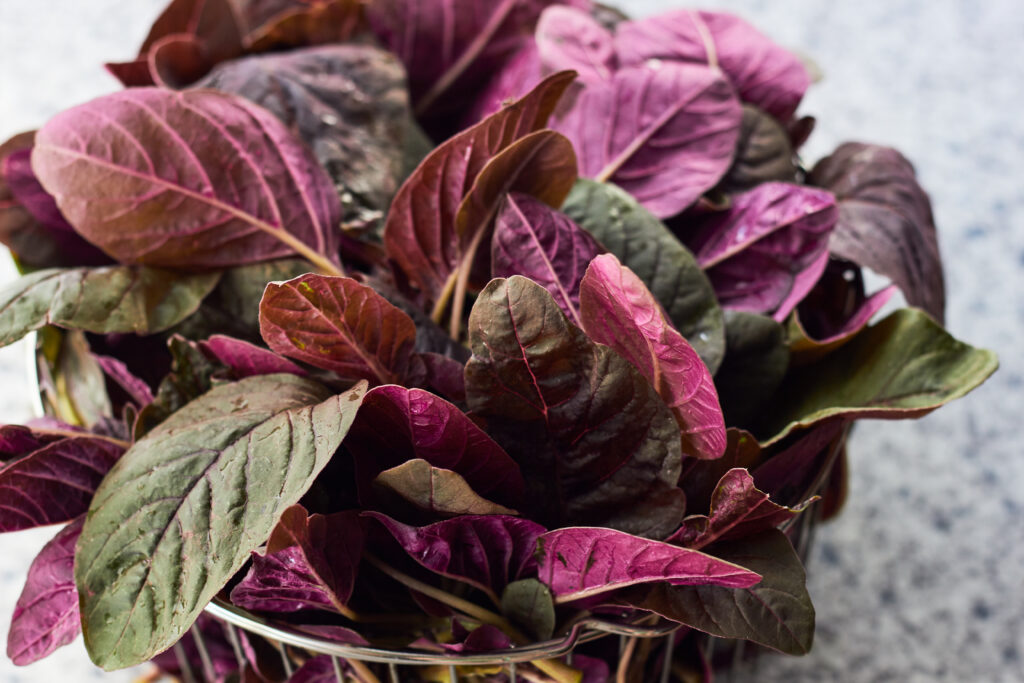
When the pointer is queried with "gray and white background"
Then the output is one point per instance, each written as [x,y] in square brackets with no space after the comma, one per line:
[922,577]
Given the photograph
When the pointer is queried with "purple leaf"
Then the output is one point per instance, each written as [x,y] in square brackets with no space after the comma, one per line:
[116,371]
[421,233]
[46,615]
[445,375]
[580,562]
[18,440]
[596,443]
[790,476]
[311,562]
[885,220]
[349,103]
[54,483]
[700,480]
[514,79]
[247,360]
[218,652]
[193,179]
[486,551]
[450,46]
[763,73]
[483,638]
[396,424]
[30,223]
[738,509]
[765,253]
[320,669]
[618,310]
[569,38]
[534,240]
[806,347]
[665,135]
[338,324]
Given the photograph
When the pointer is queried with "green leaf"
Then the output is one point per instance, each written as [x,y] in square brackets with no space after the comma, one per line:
[183,508]
[437,490]
[103,300]
[902,367]
[776,613]
[190,377]
[645,245]
[528,603]
[756,359]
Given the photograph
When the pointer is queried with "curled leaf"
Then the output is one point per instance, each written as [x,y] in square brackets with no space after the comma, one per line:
[421,233]
[664,135]
[247,360]
[618,310]
[311,562]
[666,267]
[738,509]
[768,250]
[397,425]
[488,552]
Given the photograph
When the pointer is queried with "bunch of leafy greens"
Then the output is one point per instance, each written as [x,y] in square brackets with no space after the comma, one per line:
[593,354]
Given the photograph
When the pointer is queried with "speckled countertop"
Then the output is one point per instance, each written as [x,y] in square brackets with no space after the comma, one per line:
[922,578]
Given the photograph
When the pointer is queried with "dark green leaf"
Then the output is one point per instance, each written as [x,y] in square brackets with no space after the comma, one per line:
[181,511]
[763,153]
[756,358]
[902,367]
[645,245]
[596,444]
[190,377]
[109,299]
[529,604]
[777,612]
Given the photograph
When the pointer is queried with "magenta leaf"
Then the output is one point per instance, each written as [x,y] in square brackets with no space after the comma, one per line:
[320,669]
[445,375]
[665,135]
[46,615]
[738,509]
[777,612]
[580,562]
[485,551]
[116,371]
[396,424]
[534,240]
[763,73]
[31,225]
[450,46]
[514,79]
[596,444]
[55,482]
[192,179]
[338,324]
[421,233]
[569,38]
[311,562]
[885,220]
[765,253]
[618,310]
[247,360]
